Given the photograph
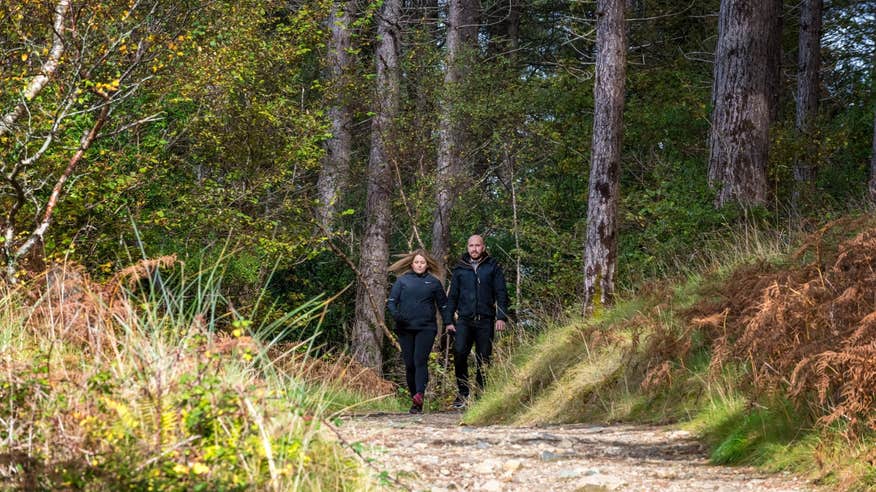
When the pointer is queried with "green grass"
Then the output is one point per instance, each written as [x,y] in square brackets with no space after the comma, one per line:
[561,375]
[150,390]
[518,384]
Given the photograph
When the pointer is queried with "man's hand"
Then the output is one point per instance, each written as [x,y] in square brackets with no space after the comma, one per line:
[451,328]
[500,325]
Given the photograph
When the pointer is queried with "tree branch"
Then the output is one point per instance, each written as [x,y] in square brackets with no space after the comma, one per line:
[40,230]
[47,71]
[349,262]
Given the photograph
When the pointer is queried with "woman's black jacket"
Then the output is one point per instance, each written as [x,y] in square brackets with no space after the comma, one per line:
[413,299]
[478,292]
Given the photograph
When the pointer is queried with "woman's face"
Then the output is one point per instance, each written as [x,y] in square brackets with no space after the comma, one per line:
[419,265]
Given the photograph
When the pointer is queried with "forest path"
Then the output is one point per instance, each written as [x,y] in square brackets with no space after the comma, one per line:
[433,452]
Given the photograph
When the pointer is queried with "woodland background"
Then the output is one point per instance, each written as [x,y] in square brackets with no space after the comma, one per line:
[303,142]
[199,200]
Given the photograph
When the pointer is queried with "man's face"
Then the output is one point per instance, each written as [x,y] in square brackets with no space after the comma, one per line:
[475,247]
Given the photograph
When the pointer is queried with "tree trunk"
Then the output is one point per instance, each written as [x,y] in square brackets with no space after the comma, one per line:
[808,83]
[739,141]
[461,35]
[503,28]
[336,166]
[600,252]
[47,71]
[873,164]
[367,332]
[510,162]
[775,13]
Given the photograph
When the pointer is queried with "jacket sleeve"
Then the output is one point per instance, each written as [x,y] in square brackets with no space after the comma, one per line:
[443,304]
[394,298]
[500,292]
[453,295]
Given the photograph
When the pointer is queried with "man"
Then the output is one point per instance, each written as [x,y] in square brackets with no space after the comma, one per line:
[479,298]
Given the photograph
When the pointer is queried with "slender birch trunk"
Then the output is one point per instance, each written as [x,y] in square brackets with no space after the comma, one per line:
[872,183]
[47,71]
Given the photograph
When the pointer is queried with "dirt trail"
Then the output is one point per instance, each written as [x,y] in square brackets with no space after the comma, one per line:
[433,452]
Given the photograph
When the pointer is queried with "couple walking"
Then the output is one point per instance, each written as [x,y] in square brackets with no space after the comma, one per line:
[478,299]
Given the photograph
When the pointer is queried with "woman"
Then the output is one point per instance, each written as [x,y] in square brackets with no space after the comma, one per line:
[413,300]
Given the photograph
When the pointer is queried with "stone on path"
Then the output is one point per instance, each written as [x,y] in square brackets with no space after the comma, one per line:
[491,486]
[486,467]
[511,466]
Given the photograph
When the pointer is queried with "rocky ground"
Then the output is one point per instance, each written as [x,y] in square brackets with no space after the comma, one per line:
[432,452]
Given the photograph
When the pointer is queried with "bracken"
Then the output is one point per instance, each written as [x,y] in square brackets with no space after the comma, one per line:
[809,330]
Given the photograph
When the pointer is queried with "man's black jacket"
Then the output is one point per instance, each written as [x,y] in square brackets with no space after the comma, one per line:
[413,299]
[478,291]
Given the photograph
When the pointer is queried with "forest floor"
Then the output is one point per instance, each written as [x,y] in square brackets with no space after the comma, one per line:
[433,452]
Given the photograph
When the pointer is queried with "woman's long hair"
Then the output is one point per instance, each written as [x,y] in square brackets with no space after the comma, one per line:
[403,264]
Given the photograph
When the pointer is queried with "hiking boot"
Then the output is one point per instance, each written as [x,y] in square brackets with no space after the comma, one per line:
[417,404]
[460,402]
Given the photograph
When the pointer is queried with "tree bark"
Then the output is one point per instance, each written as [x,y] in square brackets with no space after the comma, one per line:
[335,170]
[739,141]
[600,252]
[503,28]
[47,71]
[872,183]
[775,14]
[367,332]
[808,84]
[461,34]
[40,230]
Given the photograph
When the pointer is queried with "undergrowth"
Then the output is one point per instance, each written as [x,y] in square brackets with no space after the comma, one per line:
[764,350]
[150,382]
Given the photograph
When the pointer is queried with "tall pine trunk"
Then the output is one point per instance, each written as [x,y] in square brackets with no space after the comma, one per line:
[369,326]
[335,170]
[461,33]
[739,141]
[600,253]
[808,83]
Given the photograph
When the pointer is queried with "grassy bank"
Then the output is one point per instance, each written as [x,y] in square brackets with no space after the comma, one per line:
[764,349]
[151,383]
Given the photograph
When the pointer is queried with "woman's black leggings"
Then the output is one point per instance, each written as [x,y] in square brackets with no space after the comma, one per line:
[416,346]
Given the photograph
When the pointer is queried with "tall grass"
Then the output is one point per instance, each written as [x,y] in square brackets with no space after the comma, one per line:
[153,383]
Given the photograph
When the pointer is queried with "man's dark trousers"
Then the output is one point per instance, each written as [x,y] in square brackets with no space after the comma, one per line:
[479,332]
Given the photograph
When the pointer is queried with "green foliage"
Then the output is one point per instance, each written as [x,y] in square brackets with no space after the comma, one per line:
[557,375]
[161,401]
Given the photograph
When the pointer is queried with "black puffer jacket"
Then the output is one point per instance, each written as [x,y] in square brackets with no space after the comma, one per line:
[478,291]
[413,299]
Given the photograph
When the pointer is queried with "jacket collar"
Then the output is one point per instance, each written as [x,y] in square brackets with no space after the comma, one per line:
[465,260]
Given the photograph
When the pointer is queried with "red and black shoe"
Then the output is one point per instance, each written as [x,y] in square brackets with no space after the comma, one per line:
[417,405]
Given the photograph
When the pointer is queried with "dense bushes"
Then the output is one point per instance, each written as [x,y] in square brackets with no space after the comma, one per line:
[132,385]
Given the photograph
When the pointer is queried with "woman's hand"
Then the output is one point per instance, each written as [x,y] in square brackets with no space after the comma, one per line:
[451,328]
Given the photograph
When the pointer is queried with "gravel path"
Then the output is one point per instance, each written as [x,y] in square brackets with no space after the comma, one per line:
[433,452]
